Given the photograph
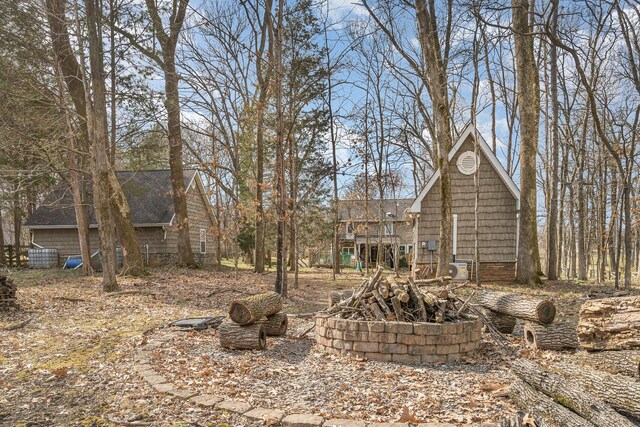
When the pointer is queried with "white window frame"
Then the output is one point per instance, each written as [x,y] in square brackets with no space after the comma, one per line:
[353,229]
[388,228]
[203,239]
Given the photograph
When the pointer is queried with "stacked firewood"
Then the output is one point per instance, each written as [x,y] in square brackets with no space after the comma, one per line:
[394,299]
[251,320]
[7,293]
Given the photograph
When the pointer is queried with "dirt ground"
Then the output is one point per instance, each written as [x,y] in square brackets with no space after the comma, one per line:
[73,363]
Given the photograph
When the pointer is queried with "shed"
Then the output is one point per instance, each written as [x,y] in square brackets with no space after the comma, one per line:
[498,210]
[149,193]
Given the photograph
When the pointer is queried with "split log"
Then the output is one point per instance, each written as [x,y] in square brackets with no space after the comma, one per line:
[254,308]
[623,362]
[418,300]
[397,309]
[557,336]
[569,395]
[239,337]
[545,410]
[275,325]
[502,322]
[337,296]
[535,309]
[617,390]
[399,292]
[375,310]
[610,324]
[383,305]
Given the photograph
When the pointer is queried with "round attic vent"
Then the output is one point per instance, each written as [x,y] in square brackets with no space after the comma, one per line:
[468,162]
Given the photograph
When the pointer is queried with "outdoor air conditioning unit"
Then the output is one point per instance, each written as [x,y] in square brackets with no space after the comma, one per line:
[458,271]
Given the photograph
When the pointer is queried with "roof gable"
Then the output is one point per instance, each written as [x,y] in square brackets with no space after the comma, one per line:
[470,130]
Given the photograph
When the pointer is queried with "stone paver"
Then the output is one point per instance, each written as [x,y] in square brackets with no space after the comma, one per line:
[436,425]
[269,416]
[338,422]
[235,406]
[183,394]
[205,400]
[162,387]
[153,378]
[302,420]
[389,425]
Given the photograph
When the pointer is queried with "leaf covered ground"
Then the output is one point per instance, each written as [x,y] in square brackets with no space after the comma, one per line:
[73,363]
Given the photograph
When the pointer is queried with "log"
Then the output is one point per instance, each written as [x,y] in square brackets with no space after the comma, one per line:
[617,390]
[399,292]
[502,322]
[397,309]
[254,308]
[337,296]
[374,308]
[623,362]
[545,410]
[557,336]
[610,324]
[418,300]
[383,305]
[569,394]
[239,337]
[275,325]
[535,309]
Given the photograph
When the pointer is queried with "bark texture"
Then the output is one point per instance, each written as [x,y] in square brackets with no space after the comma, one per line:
[617,390]
[623,362]
[275,325]
[535,309]
[254,308]
[337,296]
[546,412]
[569,394]
[610,324]
[559,336]
[503,322]
[249,337]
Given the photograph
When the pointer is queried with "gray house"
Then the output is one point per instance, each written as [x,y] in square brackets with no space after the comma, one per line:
[499,204]
[149,193]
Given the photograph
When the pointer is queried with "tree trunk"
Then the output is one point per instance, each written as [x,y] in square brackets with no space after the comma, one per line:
[275,325]
[237,337]
[617,390]
[254,308]
[569,394]
[546,412]
[610,324]
[529,108]
[2,253]
[552,220]
[502,322]
[557,336]
[623,362]
[535,309]
[17,222]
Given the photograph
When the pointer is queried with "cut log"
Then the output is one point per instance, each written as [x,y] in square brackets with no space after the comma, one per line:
[557,336]
[569,394]
[254,308]
[397,309]
[418,300]
[239,337]
[535,309]
[610,324]
[623,362]
[275,325]
[617,390]
[502,322]
[544,409]
[374,308]
[399,292]
[337,296]
[383,305]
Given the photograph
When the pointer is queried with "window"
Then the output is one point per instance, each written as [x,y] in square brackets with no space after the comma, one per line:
[409,249]
[403,250]
[350,228]
[203,241]
[388,228]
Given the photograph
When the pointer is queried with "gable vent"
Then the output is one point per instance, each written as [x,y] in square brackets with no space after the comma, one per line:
[467,163]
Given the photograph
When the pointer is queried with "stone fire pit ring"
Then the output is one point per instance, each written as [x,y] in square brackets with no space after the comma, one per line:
[402,342]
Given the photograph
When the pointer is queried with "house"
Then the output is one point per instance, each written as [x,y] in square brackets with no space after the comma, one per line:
[498,210]
[53,223]
[360,228]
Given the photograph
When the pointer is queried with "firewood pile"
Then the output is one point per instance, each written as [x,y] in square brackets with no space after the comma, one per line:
[251,320]
[7,293]
[403,300]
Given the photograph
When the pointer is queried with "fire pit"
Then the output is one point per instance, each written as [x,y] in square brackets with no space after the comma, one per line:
[403,342]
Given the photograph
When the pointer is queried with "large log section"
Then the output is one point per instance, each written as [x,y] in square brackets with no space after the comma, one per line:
[254,308]
[275,325]
[623,362]
[249,337]
[617,390]
[610,324]
[503,322]
[569,394]
[535,309]
[559,336]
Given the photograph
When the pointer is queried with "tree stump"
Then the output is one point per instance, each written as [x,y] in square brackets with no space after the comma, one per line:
[254,308]
[502,322]
[623,362]
[535,309]
[558,336]
[610,324]
[239,337]
[569,394]
[275,325]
